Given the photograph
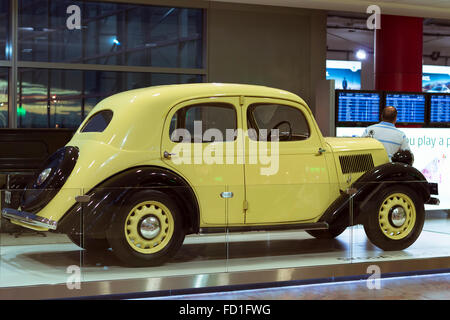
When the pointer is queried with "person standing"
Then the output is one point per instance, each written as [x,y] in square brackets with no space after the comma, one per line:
[344,84]
[392,138]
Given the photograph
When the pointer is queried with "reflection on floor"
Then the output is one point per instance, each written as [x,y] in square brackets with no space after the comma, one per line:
[32,260]
[435,287]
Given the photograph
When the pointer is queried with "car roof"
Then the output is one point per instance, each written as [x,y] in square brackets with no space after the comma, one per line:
[169,95]
[142,111]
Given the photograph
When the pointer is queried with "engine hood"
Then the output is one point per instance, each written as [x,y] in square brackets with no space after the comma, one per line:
[354,156]
[339,145]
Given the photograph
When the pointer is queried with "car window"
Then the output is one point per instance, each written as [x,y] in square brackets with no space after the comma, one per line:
[290,122]
[98,122]
[204,123]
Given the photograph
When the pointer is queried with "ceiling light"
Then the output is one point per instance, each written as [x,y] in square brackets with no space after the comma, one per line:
[361,54]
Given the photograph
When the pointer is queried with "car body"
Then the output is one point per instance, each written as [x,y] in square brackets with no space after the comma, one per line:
[142,171]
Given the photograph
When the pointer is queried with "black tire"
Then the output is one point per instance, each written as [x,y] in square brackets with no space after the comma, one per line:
[331,233]
[380,233]
[89,244]
[138,251]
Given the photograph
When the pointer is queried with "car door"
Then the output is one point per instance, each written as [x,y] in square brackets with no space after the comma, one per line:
[201,142]
[290,184]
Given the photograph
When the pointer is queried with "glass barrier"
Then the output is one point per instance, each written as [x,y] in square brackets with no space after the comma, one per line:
[393,223]
[106,234]
[285,227]
[36,254]
[155,231]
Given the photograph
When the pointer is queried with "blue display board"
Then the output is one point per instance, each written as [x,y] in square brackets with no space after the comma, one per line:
[440,108]
[436,79]
[358,107]
[410,107]
[346,74]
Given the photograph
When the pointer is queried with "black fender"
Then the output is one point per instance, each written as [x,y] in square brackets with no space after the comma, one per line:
[107,198]
[358,196]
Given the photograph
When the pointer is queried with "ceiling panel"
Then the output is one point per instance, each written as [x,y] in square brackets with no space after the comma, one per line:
[418,8]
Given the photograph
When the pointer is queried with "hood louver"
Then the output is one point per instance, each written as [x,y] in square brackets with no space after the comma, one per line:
[356,163]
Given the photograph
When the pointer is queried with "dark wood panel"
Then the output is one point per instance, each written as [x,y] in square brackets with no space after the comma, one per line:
[27,149]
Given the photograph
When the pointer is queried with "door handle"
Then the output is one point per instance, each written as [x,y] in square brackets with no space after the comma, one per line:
[321,151]
[168,155]
[226,195]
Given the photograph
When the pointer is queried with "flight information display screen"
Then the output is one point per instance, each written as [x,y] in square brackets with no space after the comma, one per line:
[358,107]
[410,107]
[440,108]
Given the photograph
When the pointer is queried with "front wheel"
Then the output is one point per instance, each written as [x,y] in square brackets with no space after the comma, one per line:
[147,231]
[396,218]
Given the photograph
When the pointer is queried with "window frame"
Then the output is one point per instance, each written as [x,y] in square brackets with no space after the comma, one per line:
[252,123]
[182,119]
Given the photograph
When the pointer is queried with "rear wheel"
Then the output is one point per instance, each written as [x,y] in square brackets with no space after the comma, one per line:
[148,231]
[396,218]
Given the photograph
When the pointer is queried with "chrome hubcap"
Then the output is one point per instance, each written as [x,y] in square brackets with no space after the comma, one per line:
[150,227]
[398,216]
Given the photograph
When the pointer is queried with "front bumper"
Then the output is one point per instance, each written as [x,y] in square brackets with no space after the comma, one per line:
[29,219]
[433,188]
[433,201]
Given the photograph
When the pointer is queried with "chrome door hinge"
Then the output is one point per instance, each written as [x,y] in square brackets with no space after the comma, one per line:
[245,205]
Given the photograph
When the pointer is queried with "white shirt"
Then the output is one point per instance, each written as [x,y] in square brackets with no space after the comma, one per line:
[392,138]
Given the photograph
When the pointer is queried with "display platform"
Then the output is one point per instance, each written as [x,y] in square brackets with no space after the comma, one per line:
[36,267]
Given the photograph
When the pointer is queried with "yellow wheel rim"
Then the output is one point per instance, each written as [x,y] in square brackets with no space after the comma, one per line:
[397,216]
[162,228]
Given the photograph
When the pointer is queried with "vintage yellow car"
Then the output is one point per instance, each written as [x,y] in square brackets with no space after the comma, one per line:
[151,165]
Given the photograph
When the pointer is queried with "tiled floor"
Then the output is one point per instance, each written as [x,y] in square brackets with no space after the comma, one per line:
[436,287]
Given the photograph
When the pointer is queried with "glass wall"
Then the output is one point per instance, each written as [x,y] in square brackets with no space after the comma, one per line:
[3,97]
[72,54]
[110,34]
[4,29]
[54,98]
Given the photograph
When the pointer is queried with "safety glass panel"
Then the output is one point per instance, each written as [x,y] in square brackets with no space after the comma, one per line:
[36,244]
[399,220]
[286,226]
[153,233]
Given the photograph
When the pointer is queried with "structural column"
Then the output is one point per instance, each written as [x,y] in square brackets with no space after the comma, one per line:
[398,54]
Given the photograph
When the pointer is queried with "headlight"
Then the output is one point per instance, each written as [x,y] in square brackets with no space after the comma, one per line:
[43,176]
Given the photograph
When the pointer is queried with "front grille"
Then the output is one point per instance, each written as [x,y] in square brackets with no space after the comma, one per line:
[356,163]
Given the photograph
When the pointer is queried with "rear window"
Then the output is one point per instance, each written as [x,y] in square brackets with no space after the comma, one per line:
[98,122]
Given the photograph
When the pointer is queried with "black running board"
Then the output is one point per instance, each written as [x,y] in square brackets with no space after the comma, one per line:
[277,227]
